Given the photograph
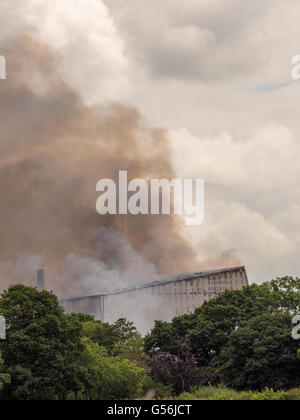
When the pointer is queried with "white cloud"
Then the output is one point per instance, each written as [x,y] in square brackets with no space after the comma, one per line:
[266,161]
[266,250]
[257,217]
[199,40]
[85,36]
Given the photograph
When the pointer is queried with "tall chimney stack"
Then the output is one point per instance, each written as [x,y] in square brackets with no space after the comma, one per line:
[40,280]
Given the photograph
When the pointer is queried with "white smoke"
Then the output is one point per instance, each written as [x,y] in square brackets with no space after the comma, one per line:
[87,275]
[83,33]
[79,275]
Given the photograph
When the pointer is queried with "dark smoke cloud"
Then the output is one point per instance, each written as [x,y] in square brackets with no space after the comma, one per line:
[53,151]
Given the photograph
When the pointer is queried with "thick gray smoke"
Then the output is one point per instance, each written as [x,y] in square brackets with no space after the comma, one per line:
[54,149]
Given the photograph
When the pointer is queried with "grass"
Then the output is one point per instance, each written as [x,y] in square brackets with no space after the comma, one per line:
[226,394]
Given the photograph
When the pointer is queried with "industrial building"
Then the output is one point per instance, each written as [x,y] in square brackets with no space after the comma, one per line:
[159,300]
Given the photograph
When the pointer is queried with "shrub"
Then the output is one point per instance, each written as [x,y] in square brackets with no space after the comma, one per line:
[269,394]
[210,393]
[223,393]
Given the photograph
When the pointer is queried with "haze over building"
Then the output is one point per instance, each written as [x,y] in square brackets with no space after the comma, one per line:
[159,300]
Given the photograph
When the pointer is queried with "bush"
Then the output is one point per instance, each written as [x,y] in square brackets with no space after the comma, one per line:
[210,393]
[294,394]
[223,393]
[269,394]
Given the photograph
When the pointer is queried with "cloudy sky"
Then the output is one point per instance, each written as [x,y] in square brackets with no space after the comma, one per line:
[217,75]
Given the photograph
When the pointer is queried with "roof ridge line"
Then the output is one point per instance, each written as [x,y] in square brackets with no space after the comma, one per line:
[161,281]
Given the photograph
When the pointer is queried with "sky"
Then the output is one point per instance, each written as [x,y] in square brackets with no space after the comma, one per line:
[216,74]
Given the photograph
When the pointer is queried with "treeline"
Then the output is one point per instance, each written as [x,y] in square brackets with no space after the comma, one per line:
[48,355]
[241,339]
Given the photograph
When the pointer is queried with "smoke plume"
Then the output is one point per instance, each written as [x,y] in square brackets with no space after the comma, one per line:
[54,148]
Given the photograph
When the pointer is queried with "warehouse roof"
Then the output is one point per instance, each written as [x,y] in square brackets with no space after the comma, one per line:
[162,281]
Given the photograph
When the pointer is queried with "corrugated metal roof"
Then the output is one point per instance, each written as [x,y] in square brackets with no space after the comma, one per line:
[161,281]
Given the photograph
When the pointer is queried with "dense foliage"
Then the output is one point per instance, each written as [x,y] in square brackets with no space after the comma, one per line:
[108,377]
[244,336]
[240,339]
[42,345]
[4,377]
[50,355]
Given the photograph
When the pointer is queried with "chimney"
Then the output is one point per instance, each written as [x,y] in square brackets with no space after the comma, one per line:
[40,280]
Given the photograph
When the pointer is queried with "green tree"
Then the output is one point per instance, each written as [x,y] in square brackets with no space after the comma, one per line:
[4,377]
[208,329]
[167,337]
[42,346]
[120,339]
[129,343]
[101,333]
[219,317]
[285,294]
[261,354]
[111,377]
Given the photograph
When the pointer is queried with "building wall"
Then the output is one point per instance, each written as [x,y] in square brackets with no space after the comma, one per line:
[159,301]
